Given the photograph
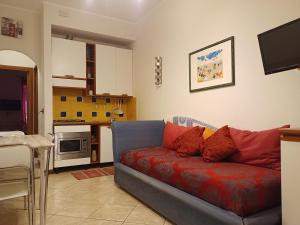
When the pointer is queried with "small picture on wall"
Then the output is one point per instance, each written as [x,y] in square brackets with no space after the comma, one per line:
[212,66]
[11,27]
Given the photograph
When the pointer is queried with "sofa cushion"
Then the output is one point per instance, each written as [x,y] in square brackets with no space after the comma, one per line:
[218,146]
[257,148]
[240,188]
[171,132]
[188,143]
[208,132]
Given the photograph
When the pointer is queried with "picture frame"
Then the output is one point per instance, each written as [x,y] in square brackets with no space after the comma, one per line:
[212,66]
[11,27]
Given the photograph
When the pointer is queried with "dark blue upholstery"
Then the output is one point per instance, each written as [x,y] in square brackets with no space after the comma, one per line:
[137,134]
[178,206]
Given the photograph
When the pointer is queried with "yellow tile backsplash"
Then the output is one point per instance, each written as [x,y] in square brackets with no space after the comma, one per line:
[71,106]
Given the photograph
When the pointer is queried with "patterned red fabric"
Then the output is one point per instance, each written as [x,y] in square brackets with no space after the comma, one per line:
[237,187]
[171,132]
[188,144]
[257,148]
[218,146]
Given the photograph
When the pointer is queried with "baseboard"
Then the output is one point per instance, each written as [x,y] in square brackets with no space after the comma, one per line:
[80,167]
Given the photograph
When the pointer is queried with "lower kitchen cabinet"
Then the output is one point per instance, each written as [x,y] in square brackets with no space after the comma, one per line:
[106,147]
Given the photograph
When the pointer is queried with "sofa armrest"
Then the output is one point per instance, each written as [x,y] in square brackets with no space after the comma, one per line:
[136,134]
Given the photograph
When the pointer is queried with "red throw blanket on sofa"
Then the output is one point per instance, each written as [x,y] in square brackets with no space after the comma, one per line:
[237,187]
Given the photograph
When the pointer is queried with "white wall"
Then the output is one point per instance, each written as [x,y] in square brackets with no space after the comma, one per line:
[14,58]
[175,28]
[30,44]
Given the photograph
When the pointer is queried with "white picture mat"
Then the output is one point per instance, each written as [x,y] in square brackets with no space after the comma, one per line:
[227,66]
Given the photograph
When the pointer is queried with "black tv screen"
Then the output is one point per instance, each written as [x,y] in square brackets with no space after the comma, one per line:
[280,47]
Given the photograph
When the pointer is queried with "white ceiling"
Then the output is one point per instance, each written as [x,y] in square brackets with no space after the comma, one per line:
[129,10]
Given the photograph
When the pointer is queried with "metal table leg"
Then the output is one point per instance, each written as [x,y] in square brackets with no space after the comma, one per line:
[31,189]
[44,170]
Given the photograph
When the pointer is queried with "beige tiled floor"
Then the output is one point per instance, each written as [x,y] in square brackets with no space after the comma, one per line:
[96,201]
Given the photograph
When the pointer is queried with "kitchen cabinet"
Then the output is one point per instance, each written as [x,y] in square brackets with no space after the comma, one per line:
[113,70]
[123,71]
[68,58]
[106,147]
[105,69]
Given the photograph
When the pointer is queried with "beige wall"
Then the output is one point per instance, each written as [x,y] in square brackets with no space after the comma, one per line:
[30,44]
[176,28]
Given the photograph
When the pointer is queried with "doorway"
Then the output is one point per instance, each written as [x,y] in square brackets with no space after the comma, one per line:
[18,99]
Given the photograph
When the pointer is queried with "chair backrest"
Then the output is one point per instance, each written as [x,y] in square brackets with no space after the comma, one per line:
[12,156]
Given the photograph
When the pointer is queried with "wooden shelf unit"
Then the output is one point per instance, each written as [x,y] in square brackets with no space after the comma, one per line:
[90,69]
[69,77]
[95,140]
[111,96]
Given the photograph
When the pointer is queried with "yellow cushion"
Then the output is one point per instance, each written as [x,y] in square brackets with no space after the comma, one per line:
[207,133]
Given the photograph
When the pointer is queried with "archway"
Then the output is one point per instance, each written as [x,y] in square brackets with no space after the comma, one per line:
[18,92]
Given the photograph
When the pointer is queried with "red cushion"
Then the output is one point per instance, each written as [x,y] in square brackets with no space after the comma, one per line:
[218,146]
[189,142]
[257,148]
[171,132]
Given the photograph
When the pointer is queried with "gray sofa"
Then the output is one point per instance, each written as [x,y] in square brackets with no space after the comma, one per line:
[177,206]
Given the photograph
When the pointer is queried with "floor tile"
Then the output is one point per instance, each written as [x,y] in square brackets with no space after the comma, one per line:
[112,212]
[123,199]
[95,201]
[100,222]
[168,223]
[142,214]
[11,217]
[129,223]
[64,220]
[81,210]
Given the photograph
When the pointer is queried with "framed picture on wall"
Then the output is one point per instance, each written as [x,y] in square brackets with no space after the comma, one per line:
[212,66]
[11,27]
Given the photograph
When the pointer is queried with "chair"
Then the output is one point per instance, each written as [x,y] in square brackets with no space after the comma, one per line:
[17,175]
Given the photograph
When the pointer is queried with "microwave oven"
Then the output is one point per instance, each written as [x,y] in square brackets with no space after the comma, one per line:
[72,145]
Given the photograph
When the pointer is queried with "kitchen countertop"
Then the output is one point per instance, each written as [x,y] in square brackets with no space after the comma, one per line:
[81,123]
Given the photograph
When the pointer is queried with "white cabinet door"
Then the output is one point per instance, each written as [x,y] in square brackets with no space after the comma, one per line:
[106,148]
[105,69]
[68,58]
[290,182]
[58,82]
[123,71]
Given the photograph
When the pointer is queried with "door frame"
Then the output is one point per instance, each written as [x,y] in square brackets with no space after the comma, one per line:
[32,90]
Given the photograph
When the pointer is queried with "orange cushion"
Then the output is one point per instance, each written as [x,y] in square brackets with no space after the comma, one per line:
[188,144]
[207,132]
[218,146]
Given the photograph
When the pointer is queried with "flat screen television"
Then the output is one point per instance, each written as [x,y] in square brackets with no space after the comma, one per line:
[280,47]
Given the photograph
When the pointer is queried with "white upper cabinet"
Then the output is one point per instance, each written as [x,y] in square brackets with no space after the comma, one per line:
[105,69]
[123,71]
[68,58]
[113,70]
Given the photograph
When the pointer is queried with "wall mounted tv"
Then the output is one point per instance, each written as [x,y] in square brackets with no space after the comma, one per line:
[280,47]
